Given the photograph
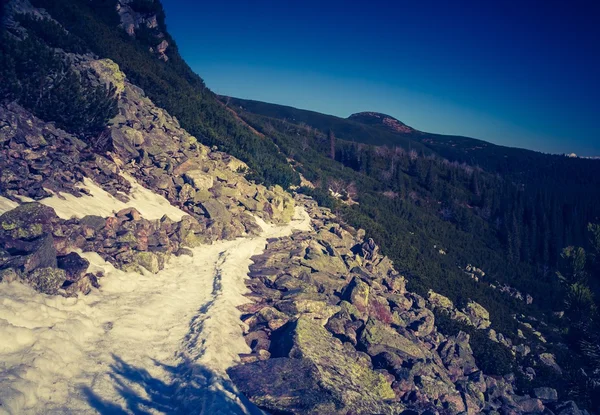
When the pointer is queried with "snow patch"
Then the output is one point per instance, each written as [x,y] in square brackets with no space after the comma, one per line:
[6,205]
[99,202]
[143,343]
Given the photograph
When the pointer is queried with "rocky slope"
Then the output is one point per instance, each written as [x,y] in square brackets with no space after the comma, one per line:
[329,322]
[143,146]
[333,330]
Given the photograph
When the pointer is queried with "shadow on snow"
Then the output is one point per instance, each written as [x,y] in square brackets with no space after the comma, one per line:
[193,392]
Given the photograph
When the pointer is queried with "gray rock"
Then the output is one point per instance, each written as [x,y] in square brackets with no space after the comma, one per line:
[46,280]
[26,256]
[199,179]
[74,265]
[283,385]
[346,374]
[546,394]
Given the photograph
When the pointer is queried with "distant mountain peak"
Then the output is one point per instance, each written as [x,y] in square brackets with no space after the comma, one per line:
[377,118]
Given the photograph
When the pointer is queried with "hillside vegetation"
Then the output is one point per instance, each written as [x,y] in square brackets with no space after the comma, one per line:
[171,83]
[434,216]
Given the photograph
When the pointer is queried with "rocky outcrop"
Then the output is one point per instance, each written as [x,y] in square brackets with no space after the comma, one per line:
[133,17]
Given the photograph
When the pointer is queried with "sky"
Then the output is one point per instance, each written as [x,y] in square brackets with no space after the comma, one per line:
[517,73]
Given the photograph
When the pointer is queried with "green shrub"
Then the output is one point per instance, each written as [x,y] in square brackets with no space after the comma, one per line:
[43,83]
[52,34]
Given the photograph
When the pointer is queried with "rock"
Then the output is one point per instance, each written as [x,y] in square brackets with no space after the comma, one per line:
[399,301]
[28,220]
[369,250]
[46,280]
[454,403]
[130,214]
[343,372]
[258,340]
[378,338]
[216,210]
[184,251]
[8,275]
[421,323]
[74,266]
[328,284]
[83,285]
[546,394]
[26,256]
[395,283]
[567,408]
[457,356]
[199,179]
[357,294]
[236,165]
[264,316]
[478,315]
[438,300]
[379,309]
[549,359]
[325,263]
[317,308]
[531,406]
[109,73]
[186,193]
[148,260]
[134,137]
[94,222]
[283,385]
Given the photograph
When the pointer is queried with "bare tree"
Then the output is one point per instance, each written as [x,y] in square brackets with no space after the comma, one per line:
[331,145]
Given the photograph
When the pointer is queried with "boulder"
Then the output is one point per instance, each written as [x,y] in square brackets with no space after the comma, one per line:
[264,316]
[438,300]
[378,337]
[26,256]
[421,322]
[109,73]
[530,405]
[216,210]
[94,222]
[148,260]
[343,372]
[479,316]
[74,266]
[357,294]
[46,280]
[546,394]
[186,193]
[8,275]
[549,359]
[199,179]
[283,385]
[309,304]
[457,356]
[369,250]
[28,220]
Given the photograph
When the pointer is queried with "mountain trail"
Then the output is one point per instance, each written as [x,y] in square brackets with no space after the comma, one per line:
[143,343]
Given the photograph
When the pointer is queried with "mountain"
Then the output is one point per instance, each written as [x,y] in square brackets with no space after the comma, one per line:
[377,118]
[167,250]
[383,130]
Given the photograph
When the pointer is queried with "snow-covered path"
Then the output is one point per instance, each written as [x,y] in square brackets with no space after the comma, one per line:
[141,344]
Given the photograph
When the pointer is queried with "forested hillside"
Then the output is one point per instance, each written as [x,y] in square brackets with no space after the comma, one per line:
[538,203]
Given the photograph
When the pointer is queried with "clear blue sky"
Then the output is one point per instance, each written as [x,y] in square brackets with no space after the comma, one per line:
[516,73]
